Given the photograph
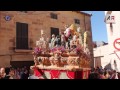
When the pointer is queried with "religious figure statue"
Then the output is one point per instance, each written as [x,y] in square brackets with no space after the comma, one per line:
[58,41]
[67,32]
[73,29]
[41,43]
[52,42]
[63,40]
[74,42]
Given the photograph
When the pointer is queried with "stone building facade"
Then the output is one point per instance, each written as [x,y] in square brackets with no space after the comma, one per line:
[19,31]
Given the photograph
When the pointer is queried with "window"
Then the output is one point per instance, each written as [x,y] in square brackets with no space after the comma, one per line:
[77,21]
[53,16]
[21,35]
[54,31]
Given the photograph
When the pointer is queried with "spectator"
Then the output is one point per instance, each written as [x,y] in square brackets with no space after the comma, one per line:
[106,74]
[10,73]
[101,75]
[93,74]
[2,73]
[7,76]
[25,75]
[17,73]
[32,75]
[114,75]
[21,72]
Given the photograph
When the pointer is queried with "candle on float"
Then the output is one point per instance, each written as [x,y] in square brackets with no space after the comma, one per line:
[78,29]
[37,43]
[41,32]
[66,45]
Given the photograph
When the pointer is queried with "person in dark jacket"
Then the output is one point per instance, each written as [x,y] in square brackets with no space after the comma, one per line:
[10,73]
[93,74]
[25,75]
[58,40]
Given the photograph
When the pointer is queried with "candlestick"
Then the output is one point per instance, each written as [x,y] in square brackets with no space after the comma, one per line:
[37,43]
[41,32]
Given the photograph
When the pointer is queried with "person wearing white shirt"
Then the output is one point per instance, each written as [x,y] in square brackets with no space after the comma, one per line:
[32,75]
[52,44]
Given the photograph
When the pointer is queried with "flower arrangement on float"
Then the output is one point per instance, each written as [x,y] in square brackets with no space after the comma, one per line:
[58,50]
[37,51]
[78,50]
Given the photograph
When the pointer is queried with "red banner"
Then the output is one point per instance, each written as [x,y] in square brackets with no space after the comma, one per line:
[55,74]
[61,74]
[38,72]
[70,74]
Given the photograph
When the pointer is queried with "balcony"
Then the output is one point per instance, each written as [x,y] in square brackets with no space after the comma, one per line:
[28,50]
[23,50]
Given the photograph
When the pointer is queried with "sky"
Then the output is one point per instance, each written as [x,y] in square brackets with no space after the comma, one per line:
[99,31]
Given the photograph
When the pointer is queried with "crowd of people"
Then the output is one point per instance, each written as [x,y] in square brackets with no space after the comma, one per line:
[25,73]
[17,73]
[99,73]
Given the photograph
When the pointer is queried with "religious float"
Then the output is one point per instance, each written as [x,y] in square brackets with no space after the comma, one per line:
[65,56]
